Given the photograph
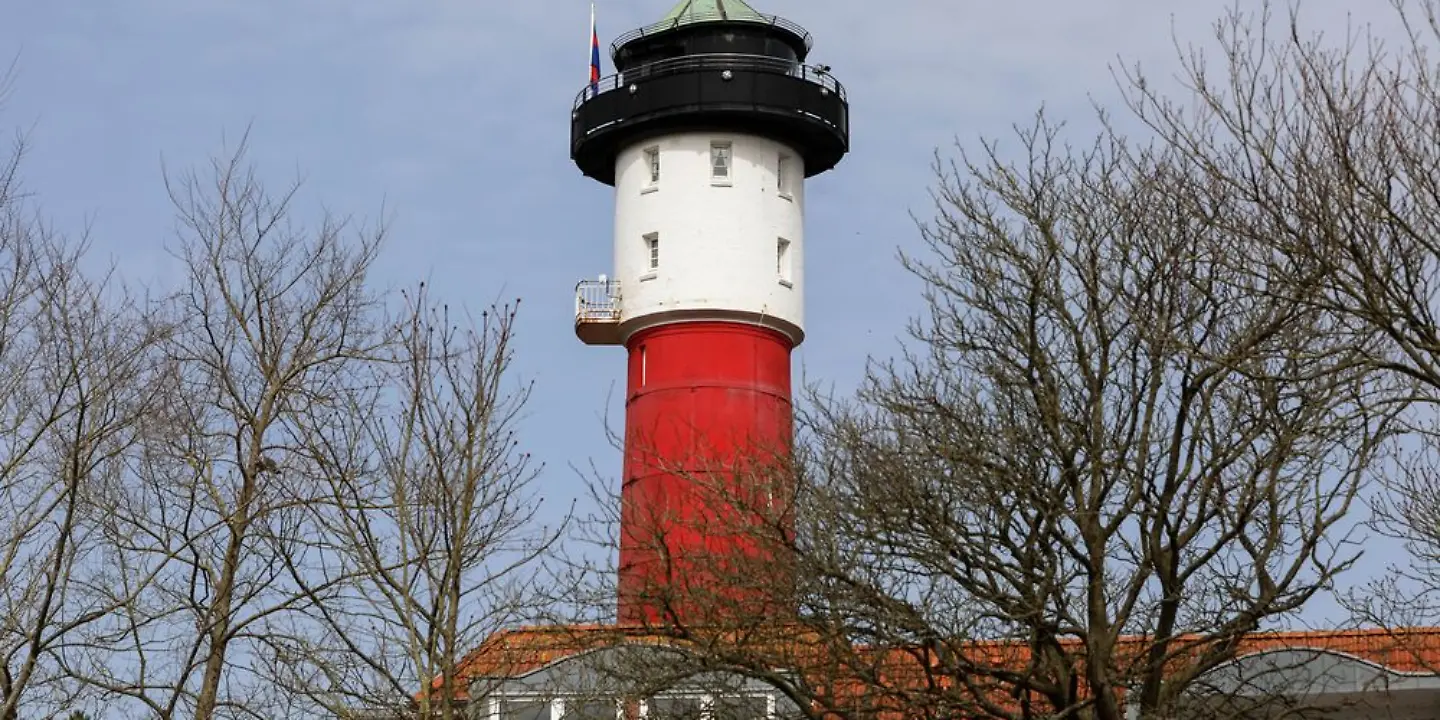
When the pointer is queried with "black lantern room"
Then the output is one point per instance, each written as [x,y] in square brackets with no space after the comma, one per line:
[712,65]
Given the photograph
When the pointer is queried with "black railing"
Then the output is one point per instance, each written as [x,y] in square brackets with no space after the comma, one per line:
[695,18]
[717,63]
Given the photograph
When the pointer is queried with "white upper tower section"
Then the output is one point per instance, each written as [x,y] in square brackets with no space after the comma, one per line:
[710,226]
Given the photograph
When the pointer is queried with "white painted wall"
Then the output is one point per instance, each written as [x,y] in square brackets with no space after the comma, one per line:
[717,242]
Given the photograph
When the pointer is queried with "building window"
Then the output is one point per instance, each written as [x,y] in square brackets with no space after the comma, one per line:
[590,709]
[741,708]
[782,175]
[524,710]
[652,248]
[783,263]
[674,708]
[652,163]
[720,162]
[644,367]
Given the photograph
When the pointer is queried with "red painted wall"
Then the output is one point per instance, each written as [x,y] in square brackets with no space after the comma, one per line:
[707,420]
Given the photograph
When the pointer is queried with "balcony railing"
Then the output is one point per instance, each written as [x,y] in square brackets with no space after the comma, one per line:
[696,18]
[597,312]
[597,301]
[719,62]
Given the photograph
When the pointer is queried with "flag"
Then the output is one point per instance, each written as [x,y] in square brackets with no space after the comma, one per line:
[594,55]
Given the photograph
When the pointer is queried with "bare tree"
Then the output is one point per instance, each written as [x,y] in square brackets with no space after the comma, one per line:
[271,325]
[73,355]
[321,505]
[431,515]
[1327,146]
[1107,457]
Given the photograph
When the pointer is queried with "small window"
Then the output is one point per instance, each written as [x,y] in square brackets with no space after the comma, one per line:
[590,709]
[782,175]
[720,157]
[644,366]
[652,246]
[782,260]
[652,161]
[524,710]
[674,708]
[741,708]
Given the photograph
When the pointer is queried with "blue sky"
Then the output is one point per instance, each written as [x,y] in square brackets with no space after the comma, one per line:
[454,115]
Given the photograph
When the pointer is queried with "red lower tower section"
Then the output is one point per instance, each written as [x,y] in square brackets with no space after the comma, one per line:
[708,435]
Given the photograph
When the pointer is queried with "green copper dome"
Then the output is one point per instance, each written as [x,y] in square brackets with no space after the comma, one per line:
[693,20]
[691,11]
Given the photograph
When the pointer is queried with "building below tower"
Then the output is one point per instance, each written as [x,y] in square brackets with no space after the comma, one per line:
[618,673]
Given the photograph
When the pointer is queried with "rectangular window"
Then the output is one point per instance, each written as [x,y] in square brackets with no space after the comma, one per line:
[782,175]
[652,161]
[741,708]
[524,710]
[652,247]
[720,161]
[597,709]
[782,260]
[674,708]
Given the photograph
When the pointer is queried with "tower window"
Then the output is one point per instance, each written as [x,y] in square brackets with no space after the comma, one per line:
[720,161]
[782,175]
[652,246]
[652,163]
[783,263]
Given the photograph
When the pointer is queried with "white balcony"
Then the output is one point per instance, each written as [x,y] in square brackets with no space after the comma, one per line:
[597,311]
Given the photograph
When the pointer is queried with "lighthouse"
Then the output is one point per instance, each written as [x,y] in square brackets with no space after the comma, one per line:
[707,133]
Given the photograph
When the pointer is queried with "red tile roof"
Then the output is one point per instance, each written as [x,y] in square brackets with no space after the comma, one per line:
[516,652]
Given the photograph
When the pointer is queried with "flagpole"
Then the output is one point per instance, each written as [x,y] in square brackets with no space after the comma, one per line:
[589,48]
[592,61]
